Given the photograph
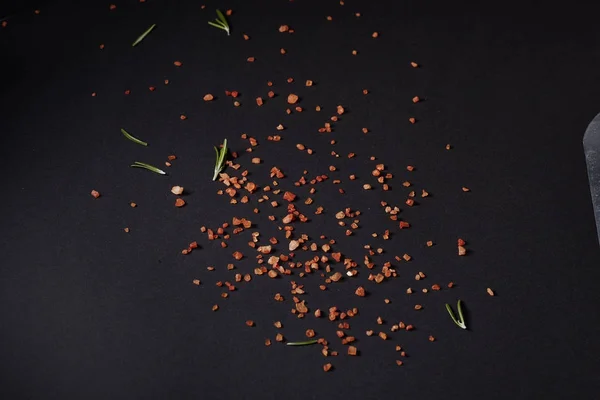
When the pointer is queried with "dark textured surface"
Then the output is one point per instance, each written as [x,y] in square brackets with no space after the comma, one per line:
[591,146]
[88,311]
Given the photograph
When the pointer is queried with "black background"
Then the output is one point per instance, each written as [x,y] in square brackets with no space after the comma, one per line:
[88,311]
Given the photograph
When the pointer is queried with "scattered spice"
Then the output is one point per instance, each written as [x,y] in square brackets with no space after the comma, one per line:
[320,256]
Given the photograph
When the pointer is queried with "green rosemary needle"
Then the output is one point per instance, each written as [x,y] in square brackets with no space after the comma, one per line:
[132,138]
[143,35]
[460,321]
[220,162]
[220,22]
[308,342]
[137,164]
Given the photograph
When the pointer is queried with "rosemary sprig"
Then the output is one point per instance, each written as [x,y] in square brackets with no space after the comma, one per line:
[220,163]
[132,138]
[143,35]
[461,319]
[137,164]
[308,342]
[220,22]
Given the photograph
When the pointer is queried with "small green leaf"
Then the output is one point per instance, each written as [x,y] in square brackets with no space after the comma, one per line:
[460,312]
[137,164]
[308,342]
[451,313]
[461,322]
[219,163]
[143,35]
[223,152]
[132,138]
[221,17]
[220,22]
[216,25]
